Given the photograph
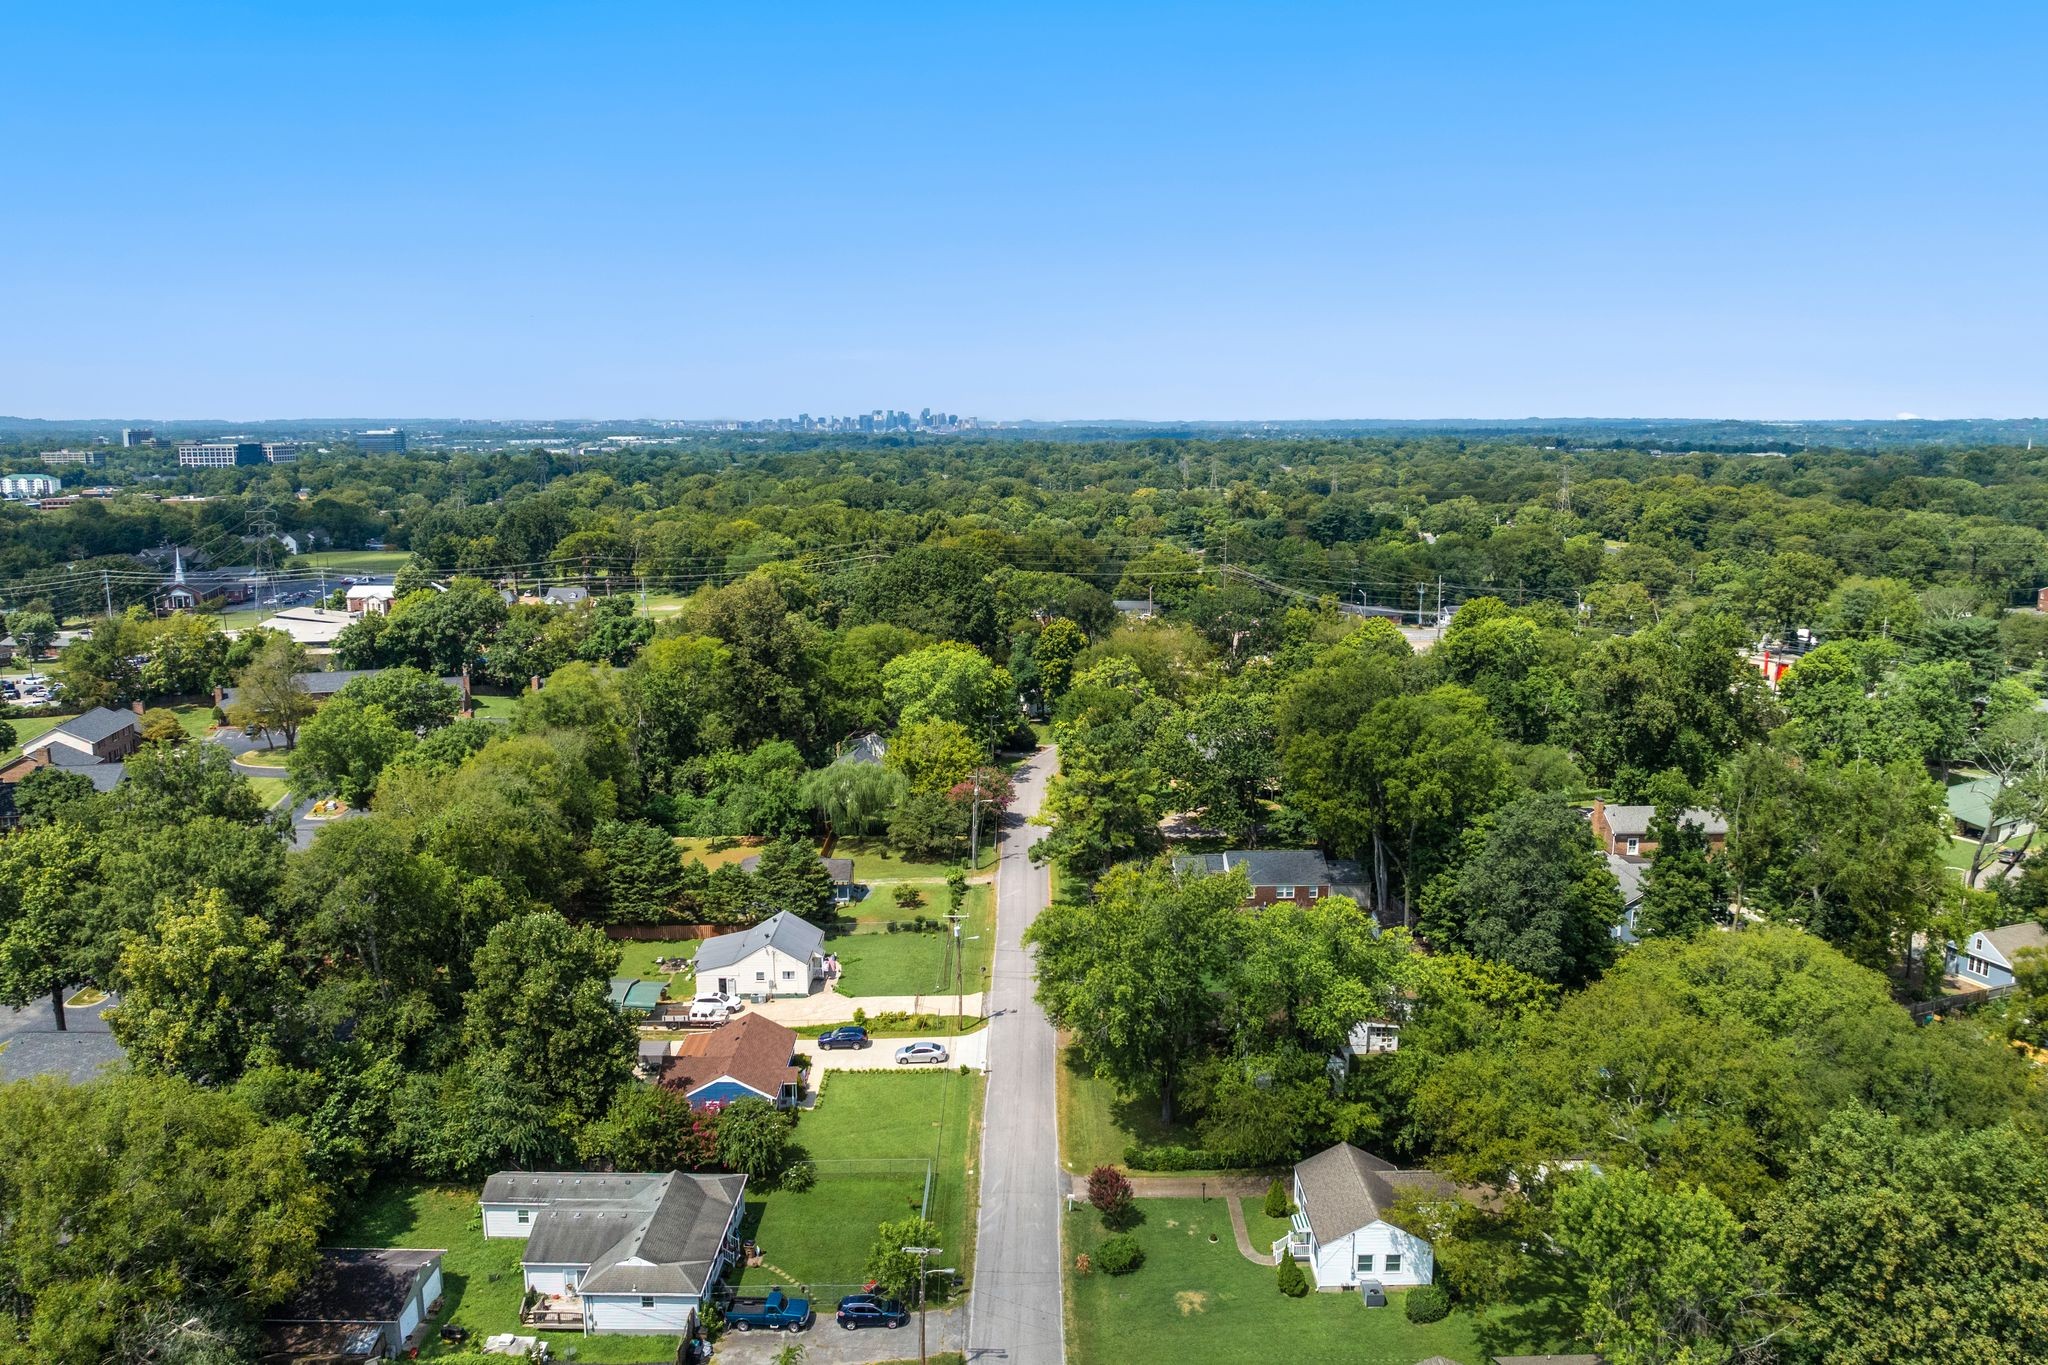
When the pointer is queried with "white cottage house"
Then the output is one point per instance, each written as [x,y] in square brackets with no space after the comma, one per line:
[1341,1234]
[782,955]
[620,1253]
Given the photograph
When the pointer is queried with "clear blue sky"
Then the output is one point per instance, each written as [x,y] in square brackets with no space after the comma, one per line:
[1100,210]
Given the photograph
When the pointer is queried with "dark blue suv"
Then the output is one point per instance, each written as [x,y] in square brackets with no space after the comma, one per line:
[871,1310]
[849,1035]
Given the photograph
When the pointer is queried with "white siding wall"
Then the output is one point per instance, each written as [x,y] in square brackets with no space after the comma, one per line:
[408,1318]
[502,1220]
[623,1313]
[1336,1264]
[431,1290]
[767,960]
[551,1279]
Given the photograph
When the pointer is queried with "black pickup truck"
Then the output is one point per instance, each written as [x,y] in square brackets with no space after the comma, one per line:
[776,1313]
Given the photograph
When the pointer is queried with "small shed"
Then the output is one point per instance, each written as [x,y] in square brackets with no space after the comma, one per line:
[637,992]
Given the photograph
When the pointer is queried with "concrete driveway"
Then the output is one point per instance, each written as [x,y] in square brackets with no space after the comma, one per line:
[828,1006]
[1014,1309]
[966,1050]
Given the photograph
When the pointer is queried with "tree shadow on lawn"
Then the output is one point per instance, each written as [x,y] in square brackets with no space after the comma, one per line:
[1537,1315]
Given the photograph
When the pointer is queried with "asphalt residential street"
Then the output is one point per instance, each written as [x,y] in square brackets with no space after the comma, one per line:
[1014,1308]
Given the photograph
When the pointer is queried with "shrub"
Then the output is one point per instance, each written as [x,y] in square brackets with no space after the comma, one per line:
[1427,1303]
[1139,1157]
[1082,1265]
[1278,1205]
[1119,1255]
[908,898]
[1292,1282]
[801,1175]
[1109,1190]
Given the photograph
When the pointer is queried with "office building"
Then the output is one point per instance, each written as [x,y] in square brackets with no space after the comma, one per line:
[24,487]
[389,441]
[280,452]
[219,454]
[53,458]
[138,436]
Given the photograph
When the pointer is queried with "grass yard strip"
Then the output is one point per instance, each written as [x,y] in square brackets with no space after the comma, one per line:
[27,728]
[269,790]
[481,1280]
[871,1135]
[699,847]
[637,955]
[492,706]
[1096,1126]
[1197,1301]
[875,962]
[874,861]
[886,902]
[351,561]
[939,1023]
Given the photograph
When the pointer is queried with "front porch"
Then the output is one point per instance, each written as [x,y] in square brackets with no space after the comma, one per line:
[1299,1242]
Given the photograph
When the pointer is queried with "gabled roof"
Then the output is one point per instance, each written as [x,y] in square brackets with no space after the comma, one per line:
[90,728]
[1270,866]
[355,1284]
[1629,875]
[782,930]
[839,869]
[1635,821]
[1344,1189]
[636,1234]
[564,596]
[324,683]
[2012,939]
[752,1050]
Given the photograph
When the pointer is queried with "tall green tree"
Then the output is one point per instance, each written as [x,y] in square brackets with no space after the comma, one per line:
[541,1011]
[1531,891]
[1686,889]
[202,991]
[1131,972]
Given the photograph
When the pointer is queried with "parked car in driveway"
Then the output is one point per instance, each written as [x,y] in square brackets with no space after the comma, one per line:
[913,1054]
[730,1003]
[849,1035]
[871,1310]
[775,1313]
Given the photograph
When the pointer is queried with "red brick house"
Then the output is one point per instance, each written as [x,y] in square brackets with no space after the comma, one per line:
[1277,874]
[1624,831]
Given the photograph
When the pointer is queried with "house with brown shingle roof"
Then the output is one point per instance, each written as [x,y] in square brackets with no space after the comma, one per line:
[748,1058]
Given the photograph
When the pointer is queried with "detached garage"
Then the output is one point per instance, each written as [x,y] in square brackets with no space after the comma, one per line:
[358,1304]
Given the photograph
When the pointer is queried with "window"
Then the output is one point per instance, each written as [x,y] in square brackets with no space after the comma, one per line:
[1392,1263]
[647,1300]
[760,976]
[525,1217]
[789,976]
[1634,845]
[1283,893]
[1365,1263]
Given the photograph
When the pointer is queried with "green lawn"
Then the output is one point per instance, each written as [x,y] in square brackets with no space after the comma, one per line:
[871,1134]
[883,903]
[481,1280]
[691,846]
[638,957]
[269,790]
[874,861]
[352,561]
[27,728]
[195,717]
[1195,1301]
[1096,1126]
[1263,1231]
[876,962]
[492,707]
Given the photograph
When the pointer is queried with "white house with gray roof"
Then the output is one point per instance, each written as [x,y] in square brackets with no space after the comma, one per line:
[624,1253]
[782,955]
[1341,1233]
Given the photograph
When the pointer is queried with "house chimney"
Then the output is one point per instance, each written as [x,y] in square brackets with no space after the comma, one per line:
[535,681]
[136,707]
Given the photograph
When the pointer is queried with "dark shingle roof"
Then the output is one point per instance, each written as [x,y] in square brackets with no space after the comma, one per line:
[637,1234]
[353,1284]
[788,934]
[2010,939]
[1636,820]
[92,727]
[1270,866]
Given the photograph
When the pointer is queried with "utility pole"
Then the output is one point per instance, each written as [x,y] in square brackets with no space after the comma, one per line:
[958,920]
[920,1253]
[107,589]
